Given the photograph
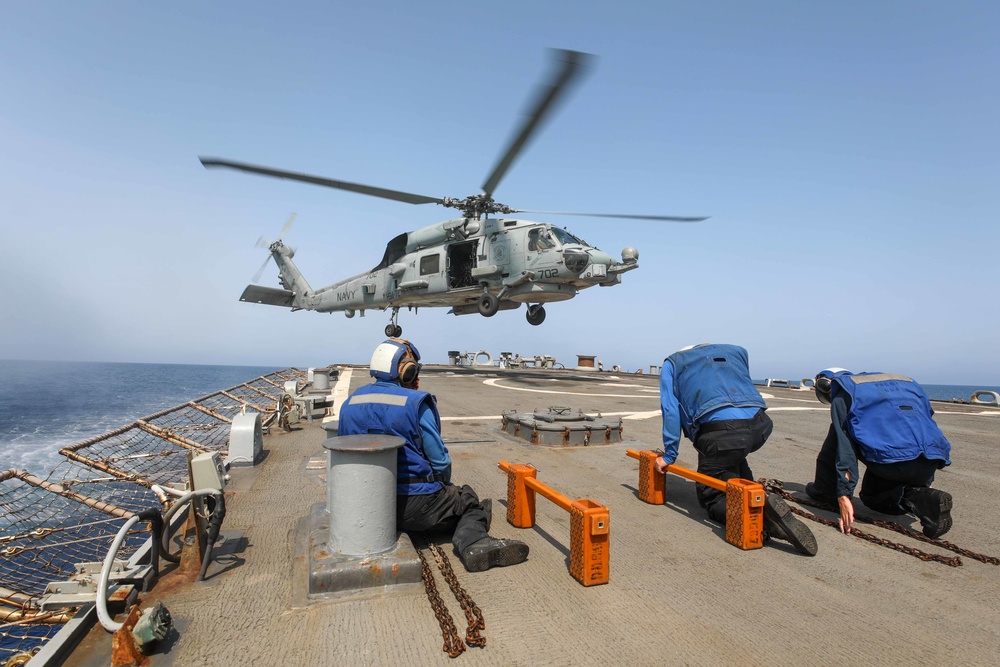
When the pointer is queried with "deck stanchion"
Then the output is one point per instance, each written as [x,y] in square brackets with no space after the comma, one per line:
[590,522]
[744,498]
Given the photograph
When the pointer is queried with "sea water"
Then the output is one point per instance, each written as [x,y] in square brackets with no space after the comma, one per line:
[947,392]
[47,405]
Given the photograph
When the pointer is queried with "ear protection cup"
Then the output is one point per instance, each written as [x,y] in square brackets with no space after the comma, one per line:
[823,385]
[408,368]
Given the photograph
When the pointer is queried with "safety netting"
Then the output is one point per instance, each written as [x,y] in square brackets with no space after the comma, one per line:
[50,525]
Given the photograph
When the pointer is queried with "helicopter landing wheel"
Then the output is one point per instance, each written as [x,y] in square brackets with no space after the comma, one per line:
[488,305]
[393,330]
[535,315]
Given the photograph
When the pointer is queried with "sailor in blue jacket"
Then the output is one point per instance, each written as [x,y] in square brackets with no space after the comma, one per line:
[885,421]
[426,500]
[706,392]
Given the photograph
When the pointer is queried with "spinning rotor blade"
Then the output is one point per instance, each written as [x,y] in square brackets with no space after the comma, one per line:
[384,193]
[626,216]
[288,225]
[573,64]
[260,271]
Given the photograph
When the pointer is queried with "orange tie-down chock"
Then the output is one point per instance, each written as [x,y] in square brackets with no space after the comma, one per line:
[744,498]
[589,526]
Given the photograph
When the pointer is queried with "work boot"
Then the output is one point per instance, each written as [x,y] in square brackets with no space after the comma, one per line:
[781,524]
[491,552]
[818,495]
[931,506]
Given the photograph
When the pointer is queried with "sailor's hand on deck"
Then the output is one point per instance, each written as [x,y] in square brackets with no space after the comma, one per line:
[846,513]
[661,465]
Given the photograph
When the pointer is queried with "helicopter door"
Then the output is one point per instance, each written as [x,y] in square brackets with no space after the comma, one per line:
[461,261]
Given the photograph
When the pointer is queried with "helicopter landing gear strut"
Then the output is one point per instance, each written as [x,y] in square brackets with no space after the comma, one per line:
[393,330]
[535,314]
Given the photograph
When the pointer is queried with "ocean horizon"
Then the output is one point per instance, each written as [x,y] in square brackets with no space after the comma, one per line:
[48,405]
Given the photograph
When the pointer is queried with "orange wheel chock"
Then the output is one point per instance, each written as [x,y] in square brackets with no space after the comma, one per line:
[590,522]
[744,498]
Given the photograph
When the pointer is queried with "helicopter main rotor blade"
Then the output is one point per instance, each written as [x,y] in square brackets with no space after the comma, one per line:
[573,64]
[626,216]
[384,193]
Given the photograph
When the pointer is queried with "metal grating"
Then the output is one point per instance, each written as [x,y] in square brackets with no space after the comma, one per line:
[48,526]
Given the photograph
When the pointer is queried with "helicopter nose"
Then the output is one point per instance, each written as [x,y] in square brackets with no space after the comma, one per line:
[600,257]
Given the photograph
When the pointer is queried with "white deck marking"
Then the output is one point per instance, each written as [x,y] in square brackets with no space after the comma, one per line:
[623,415]
[493,383]
[341,390]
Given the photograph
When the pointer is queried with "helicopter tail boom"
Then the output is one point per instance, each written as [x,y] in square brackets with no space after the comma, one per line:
[297,294]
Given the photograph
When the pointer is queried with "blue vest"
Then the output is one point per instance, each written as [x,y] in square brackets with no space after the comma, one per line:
[891,419]
[385,407]
[709,377]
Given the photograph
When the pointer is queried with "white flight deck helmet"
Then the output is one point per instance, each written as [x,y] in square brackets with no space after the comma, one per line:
[822,384]
[395,360]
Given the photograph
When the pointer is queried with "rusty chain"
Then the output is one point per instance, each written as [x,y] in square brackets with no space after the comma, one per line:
[453,645]
[777,487]
[473,615]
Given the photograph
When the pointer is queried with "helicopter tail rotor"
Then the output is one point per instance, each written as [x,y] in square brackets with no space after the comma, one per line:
[262,242]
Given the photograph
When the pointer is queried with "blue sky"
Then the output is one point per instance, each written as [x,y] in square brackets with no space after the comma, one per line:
[847,153]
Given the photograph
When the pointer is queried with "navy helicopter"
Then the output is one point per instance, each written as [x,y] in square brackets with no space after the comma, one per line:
[482,262]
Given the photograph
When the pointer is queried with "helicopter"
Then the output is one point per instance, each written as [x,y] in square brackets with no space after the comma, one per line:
[482,262]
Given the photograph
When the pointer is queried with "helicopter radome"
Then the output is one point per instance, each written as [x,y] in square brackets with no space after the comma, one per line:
[482,263]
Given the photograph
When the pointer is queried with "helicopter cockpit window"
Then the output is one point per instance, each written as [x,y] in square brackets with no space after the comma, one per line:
[539,238]
[430,264]
[565,237]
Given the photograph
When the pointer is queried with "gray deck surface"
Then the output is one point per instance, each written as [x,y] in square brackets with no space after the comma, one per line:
[678,593]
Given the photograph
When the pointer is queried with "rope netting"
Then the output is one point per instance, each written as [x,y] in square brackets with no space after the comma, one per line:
[49,525]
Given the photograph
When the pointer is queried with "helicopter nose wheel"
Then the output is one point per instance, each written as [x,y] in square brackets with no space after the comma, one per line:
[393,330]
[535,314]
[488,305]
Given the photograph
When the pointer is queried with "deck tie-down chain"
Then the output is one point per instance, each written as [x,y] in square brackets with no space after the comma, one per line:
[453,644]
[778,487]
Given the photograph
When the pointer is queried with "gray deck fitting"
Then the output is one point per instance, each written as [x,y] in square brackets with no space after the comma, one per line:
[334,574]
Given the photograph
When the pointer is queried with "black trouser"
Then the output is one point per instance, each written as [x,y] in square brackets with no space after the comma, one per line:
[453,508]
[882,485]
[722,448]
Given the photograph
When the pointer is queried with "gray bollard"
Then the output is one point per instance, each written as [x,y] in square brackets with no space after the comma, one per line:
[361,493]
[321,378]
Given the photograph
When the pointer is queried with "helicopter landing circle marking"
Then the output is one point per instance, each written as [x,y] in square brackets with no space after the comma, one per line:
[493,383]
[624,415]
